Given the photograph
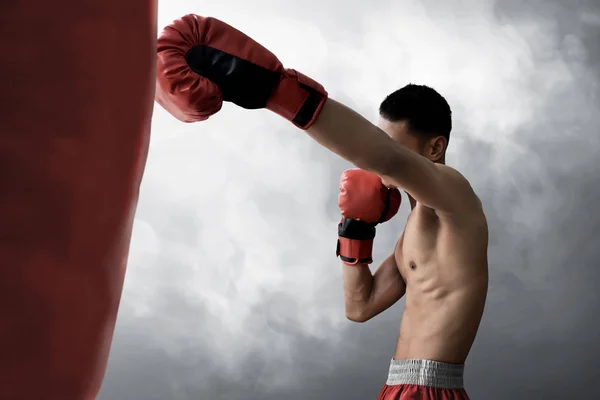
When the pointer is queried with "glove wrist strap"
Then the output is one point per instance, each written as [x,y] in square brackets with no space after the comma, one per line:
[298,99]
[353,252]
[355,241]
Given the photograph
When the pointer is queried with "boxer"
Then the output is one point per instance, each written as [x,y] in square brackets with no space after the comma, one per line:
[203,61]
[439,263]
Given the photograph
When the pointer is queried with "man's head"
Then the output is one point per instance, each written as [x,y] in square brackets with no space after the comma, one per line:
[419,118]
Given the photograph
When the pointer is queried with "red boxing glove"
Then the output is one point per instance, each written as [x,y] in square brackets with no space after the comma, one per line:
[364,202]
[203,61]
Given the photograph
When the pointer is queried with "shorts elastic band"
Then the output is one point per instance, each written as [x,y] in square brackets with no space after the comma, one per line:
[426,373]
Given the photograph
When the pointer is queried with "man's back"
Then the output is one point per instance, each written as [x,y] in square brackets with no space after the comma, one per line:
[443,260]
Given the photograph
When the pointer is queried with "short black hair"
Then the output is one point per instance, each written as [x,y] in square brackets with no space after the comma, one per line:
[425,110]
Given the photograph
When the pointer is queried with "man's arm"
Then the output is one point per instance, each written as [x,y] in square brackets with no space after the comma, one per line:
[192,84]
[348,134]
[367,295]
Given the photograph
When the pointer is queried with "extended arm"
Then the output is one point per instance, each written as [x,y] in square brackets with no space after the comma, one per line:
[348,134]
[202,62]
[367,295]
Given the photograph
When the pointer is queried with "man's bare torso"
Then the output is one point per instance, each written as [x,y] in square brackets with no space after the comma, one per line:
[443,261]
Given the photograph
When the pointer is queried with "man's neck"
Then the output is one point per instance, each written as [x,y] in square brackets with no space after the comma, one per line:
[413,202]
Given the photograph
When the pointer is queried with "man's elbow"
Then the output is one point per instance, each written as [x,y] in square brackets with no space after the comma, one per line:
[358,317]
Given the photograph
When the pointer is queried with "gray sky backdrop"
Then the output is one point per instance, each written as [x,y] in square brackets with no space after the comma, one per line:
[233,290]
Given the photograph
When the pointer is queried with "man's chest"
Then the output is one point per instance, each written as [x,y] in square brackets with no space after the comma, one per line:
[419,240]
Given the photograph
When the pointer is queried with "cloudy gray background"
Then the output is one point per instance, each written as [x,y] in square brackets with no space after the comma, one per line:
[233,290]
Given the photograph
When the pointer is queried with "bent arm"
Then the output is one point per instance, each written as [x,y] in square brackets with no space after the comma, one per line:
[351,136]
[367,295]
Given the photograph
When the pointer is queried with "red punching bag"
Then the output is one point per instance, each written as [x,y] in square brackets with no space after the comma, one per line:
[76,95]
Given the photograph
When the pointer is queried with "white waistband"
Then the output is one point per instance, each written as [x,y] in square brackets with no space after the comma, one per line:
[426,373]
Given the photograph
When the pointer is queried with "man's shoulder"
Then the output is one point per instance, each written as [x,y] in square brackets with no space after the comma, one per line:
[448,172]
[460,185]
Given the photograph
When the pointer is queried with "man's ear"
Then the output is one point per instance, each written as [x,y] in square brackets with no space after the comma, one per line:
[436,148]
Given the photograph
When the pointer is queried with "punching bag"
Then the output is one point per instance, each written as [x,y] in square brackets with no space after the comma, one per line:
[76,95]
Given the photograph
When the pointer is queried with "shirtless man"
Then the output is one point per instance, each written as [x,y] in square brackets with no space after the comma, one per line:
[440,262]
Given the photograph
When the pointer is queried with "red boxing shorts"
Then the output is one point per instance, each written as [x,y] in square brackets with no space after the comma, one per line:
[424,380]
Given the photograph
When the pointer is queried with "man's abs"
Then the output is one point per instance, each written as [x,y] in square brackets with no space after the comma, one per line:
[445,269]
[442,329]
